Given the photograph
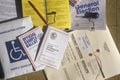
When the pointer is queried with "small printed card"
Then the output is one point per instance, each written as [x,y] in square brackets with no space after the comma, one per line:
[53,47]
[30,42]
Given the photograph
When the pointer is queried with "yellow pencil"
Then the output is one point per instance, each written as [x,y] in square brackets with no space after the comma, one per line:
[39,14]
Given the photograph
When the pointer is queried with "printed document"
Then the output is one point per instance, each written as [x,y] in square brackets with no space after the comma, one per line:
[57,13]
[7,10]
[52,48]
[30,42]
[13,58]
[89,56]
[88,14]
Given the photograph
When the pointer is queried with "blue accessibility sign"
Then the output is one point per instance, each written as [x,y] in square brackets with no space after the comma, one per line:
[15,51]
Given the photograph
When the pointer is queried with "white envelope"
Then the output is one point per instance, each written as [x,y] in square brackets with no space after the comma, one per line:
[13,58]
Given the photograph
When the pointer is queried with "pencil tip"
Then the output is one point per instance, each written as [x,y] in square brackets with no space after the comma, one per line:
[29,2]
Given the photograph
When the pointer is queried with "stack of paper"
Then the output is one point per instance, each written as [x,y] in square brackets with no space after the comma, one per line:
[89,55]
[50,53]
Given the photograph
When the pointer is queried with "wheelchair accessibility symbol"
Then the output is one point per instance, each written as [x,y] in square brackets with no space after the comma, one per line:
[15,51]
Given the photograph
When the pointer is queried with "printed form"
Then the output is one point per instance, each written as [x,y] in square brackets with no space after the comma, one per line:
[89,56]
[76,65]
[7,9]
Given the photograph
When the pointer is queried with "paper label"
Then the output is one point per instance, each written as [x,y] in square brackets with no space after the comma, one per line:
[83,42]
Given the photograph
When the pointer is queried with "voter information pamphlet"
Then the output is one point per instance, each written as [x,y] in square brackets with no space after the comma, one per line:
[30,42]
[52,48]
[88,14]
[13,58]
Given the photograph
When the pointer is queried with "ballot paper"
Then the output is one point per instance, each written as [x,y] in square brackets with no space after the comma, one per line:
[90,55]
[7,10]
[52,48]
[30,42]
[13,58]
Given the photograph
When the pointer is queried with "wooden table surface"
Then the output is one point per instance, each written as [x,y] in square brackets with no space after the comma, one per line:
[113,22]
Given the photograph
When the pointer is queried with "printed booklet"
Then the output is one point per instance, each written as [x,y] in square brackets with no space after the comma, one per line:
[88,14]
[13,58]
[30,42]
[52,48]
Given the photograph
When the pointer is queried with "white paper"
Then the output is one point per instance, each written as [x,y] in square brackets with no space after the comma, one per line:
[7,9]
[108,53]
[91,63]
[80,9]
[101,61]
[53,46]
[83,42]
[13,58]
[30,42]
[75,65]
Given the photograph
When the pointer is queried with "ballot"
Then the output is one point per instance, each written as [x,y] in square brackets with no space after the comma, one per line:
[90,55]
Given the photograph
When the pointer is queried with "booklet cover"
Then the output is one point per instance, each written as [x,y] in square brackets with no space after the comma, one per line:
[30,42]
[52,48]
[88,14]
[13,58]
